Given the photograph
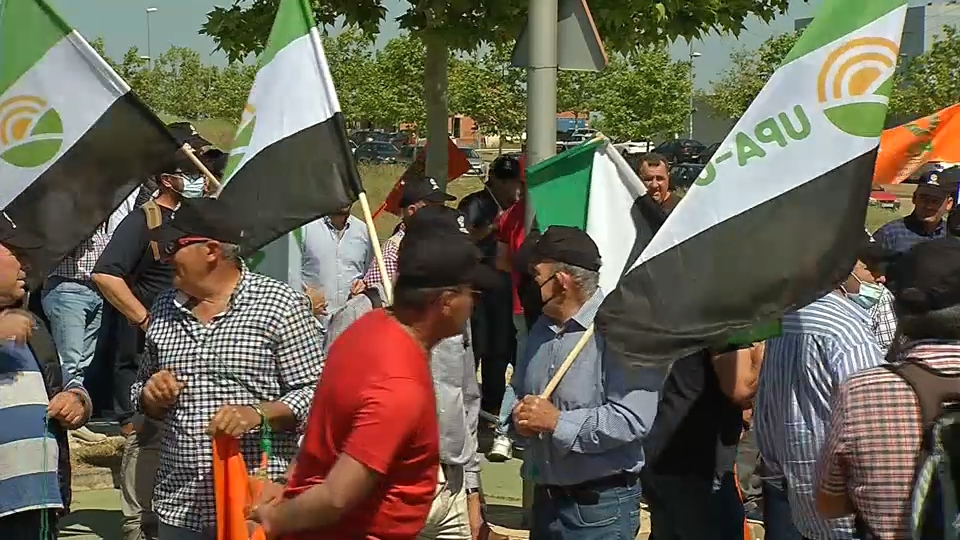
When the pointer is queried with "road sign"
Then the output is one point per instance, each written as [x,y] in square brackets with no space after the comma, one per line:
[579,47]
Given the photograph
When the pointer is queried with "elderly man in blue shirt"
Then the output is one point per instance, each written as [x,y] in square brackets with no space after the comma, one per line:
[583,450]
[933,199]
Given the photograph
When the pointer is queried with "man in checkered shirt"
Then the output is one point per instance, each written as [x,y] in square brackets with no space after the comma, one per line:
[226,350]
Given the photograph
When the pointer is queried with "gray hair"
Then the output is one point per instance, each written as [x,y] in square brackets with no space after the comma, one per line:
[231,252]
[587,280]
[938,324]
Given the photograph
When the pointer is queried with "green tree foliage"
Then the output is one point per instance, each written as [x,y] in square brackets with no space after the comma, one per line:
[490,90]
[740,84]
[352,66]
[243,27]
[577,92]
[642,95]
[931,81]
[394,92]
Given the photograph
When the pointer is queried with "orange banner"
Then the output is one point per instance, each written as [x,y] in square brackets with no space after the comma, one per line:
[457,166]
[235,492]
[906,148]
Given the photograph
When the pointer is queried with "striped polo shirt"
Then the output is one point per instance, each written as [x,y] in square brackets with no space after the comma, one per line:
[28,451]
[821,345]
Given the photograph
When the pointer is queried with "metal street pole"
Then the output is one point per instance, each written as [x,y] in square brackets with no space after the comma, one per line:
[693,55]
[541,86]
[150,10]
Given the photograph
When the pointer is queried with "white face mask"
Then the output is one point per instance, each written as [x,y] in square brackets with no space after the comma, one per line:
[869,294]
[193,186]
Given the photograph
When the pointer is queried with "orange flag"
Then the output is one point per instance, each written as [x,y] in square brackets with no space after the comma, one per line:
[457,165]
[235,492]
[906,148]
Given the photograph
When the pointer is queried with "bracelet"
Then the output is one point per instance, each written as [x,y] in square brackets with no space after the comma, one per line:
[259,411]
[144,321]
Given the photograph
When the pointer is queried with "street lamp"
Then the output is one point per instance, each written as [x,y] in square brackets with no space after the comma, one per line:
[693,55]
[150,10]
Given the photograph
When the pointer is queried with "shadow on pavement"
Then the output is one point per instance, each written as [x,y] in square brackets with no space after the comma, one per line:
[82,523]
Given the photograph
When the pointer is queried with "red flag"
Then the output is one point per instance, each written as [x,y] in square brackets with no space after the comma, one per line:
[457,165]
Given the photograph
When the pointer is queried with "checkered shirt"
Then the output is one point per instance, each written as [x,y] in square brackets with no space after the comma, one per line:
[883,321]
[266,338]
[78,265]
[391,250]
[902,234]
[874,438]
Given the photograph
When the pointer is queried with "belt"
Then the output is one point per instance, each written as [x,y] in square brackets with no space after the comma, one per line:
[590,490]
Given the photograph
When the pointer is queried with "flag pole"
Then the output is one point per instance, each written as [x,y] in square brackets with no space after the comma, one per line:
[377,250]
[567,362]
[190,153]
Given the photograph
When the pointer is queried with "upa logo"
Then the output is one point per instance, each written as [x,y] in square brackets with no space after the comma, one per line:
[31,132]
[855,83]
[248,122]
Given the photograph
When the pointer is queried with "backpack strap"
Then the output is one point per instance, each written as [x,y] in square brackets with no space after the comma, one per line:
[374,296]
[932,388]
[154,220]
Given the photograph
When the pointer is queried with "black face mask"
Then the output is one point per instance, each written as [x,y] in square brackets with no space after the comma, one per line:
[543,303]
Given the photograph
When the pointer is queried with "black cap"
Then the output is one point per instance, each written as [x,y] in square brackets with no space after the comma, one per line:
[436,218]
[875,256]
[426,189]
[940,183]
[185,133]
[927,277]
[16,238]
[441,258]
[506,167]
[179,164]
[568,245]
[202,218]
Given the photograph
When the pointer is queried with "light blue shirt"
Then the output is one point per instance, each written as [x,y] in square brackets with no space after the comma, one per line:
[604,412]
[821,345]
[332,260]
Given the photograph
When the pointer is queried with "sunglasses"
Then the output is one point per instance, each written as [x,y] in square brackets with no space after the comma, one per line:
[171,248]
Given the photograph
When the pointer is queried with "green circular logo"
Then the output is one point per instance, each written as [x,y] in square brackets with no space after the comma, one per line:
[31,132]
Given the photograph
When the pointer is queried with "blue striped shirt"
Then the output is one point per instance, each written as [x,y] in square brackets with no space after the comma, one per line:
[604,413]
[28,451]
[821,346]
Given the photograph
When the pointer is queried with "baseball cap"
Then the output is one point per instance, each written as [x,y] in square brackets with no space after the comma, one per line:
[436,218]
[875,256]
[185,133]
[927,277]
[436,259]
[16,238]
[179,163]
[206,218]
[506,167]
[568,245]
[425,189]
[939,183]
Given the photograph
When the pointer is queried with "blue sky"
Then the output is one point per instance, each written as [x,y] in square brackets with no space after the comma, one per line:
[123,24]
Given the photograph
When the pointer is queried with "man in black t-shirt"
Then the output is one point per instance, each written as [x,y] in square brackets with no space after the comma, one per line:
[130,274]
[494,337]
[689,481]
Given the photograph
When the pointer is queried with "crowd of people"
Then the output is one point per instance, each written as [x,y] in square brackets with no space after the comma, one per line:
[369,397]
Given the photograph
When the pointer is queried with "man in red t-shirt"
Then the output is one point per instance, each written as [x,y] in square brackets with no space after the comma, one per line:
[369,460]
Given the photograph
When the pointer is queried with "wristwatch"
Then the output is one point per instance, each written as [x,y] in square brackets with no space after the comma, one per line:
[471,491]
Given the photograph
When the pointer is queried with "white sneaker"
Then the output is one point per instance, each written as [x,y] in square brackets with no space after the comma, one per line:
[501,450]
[84,435]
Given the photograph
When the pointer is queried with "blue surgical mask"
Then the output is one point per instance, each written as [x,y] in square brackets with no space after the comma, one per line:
[193,187]
[868,296]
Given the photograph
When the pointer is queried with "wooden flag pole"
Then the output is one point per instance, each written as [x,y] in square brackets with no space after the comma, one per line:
[568,361]
[189,151]
[377,251]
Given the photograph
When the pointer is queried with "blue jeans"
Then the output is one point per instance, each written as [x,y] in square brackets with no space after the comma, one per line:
[777,516]
[74,310]
[169,532]
[615,516]
[509,395]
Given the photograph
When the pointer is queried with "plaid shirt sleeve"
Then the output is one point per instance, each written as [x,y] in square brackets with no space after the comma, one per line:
[832,470]
[148,366]
[299,359]
[884,320]
[390,251]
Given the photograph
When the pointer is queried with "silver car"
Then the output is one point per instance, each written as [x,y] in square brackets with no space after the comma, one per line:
[477,166]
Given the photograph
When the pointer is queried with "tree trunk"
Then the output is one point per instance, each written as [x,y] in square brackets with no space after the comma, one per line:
[435,101]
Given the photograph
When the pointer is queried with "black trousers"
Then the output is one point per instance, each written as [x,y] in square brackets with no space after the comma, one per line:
[119,347]
[26,525]
[494,341]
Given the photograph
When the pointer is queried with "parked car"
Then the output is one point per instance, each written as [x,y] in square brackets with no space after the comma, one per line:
[879,197]
[681,150]
[376,152]
[361,136]
[683,175]
[353,146]
[708,153]
[633,147]
[477,167]
[575,138]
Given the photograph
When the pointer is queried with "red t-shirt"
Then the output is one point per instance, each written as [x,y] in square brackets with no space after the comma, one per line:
[375,402]
[511,232]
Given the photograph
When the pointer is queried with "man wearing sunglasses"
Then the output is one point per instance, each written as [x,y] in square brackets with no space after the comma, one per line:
[130,274]
[228,353]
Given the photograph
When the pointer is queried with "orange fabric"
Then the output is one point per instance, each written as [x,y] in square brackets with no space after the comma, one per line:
[746,526]
[457,166]
[234,490]
[906,148]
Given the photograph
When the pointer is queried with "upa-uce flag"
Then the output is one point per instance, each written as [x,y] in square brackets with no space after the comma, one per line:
[290,162]
[74,140]
[773,221]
